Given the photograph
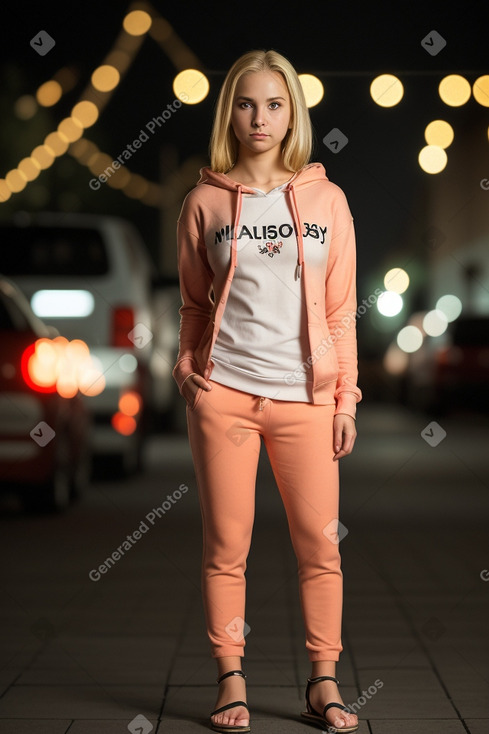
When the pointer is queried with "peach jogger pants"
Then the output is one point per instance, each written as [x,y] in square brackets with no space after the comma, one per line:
[224,428]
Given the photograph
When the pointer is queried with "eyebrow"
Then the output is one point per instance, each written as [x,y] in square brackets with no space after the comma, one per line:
[250,99]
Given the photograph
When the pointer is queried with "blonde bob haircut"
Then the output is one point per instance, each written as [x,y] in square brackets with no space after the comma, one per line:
[297,144]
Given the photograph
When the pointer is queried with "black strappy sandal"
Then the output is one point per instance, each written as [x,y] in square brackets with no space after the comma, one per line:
[320,719]
[225,728]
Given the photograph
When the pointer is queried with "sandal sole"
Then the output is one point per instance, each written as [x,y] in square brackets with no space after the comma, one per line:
[330,728]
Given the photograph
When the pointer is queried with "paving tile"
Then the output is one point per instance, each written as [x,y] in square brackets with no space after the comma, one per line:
[104,726]
[418,726]
[44,702]
[34,726]
[477,726]
[405,694]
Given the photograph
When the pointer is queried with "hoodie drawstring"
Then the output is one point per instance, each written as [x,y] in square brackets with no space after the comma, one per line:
[234,243]
[300,243]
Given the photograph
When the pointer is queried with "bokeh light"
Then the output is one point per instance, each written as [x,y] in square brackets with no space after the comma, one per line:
[386,90]
[435,323]
[15,181]
[395,360]
[450,305]
[432,159]
[409,339]
[439,133]
[454,90]
[105,78]
[25,107]
[396,280]
[85,113]
[43,156]
[137,22]
[49,93]
[313,89]
[480,90]
[70,129]
[389,303]
[191,86]
[29,168]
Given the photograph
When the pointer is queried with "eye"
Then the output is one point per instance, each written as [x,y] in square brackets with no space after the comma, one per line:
[242,105]
[275,103]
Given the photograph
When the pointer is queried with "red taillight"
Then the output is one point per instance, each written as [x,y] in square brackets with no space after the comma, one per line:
[122,325]
[38,377]
[58,365]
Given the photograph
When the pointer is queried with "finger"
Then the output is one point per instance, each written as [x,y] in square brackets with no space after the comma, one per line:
[337,438]
[347,446]
[348,442]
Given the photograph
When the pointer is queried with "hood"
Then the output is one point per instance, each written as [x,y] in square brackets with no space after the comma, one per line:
[306,176]
[311,173]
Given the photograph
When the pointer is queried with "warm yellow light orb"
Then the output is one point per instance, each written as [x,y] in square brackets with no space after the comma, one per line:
[43,156]
[56,143]
[49,93]
[396,280]
[313,89]
[105,78]
[29,168]
[85,113]
[191,86]
[15,180]
[5,192]
[137,22]
[432,159]
[439,133]
[70,129]
[386,90]
[454,90]
[480,90]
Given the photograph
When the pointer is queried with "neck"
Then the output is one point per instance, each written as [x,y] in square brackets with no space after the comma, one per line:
[262,166]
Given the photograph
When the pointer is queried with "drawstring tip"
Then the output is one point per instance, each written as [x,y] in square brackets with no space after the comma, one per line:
[298,269]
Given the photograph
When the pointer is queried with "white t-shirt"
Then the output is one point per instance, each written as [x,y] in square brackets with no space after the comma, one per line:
[263,332]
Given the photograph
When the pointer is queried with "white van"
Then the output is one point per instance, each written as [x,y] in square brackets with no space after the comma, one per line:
[90,276]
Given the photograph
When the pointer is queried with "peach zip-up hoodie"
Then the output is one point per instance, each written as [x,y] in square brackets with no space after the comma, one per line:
[330,290]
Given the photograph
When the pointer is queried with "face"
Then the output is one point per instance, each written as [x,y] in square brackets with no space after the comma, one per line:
[261,110]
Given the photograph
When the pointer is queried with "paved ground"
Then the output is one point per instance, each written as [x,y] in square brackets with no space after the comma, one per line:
[89,657]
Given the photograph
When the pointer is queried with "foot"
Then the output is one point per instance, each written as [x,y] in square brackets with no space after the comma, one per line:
[232,689]
[324,692]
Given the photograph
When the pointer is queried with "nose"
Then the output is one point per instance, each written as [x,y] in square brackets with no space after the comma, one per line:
[259,117]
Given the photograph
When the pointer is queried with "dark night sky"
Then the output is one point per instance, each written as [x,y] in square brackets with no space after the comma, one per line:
[378,169]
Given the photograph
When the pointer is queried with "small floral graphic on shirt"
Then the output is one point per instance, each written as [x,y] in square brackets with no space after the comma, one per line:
[270,248]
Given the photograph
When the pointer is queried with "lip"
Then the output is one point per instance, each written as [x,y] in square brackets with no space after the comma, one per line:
[259,135]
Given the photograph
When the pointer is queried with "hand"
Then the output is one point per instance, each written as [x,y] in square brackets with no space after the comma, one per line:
[190,387]
[344,434]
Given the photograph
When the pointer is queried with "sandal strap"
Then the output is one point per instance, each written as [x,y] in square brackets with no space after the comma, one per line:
[231,672]
[230,706]
[316,680]
[339,705]
[322,677]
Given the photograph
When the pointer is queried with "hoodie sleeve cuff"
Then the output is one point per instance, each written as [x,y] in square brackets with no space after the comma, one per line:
[183,369]
[347,403]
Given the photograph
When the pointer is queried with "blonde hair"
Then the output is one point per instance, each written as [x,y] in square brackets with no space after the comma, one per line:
[297,144]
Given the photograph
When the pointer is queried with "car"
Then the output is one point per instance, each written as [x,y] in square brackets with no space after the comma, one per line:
[45,455]
[90,276]
[446,372]
[461,372]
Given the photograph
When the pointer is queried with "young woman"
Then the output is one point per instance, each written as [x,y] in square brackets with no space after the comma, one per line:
[266,254]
